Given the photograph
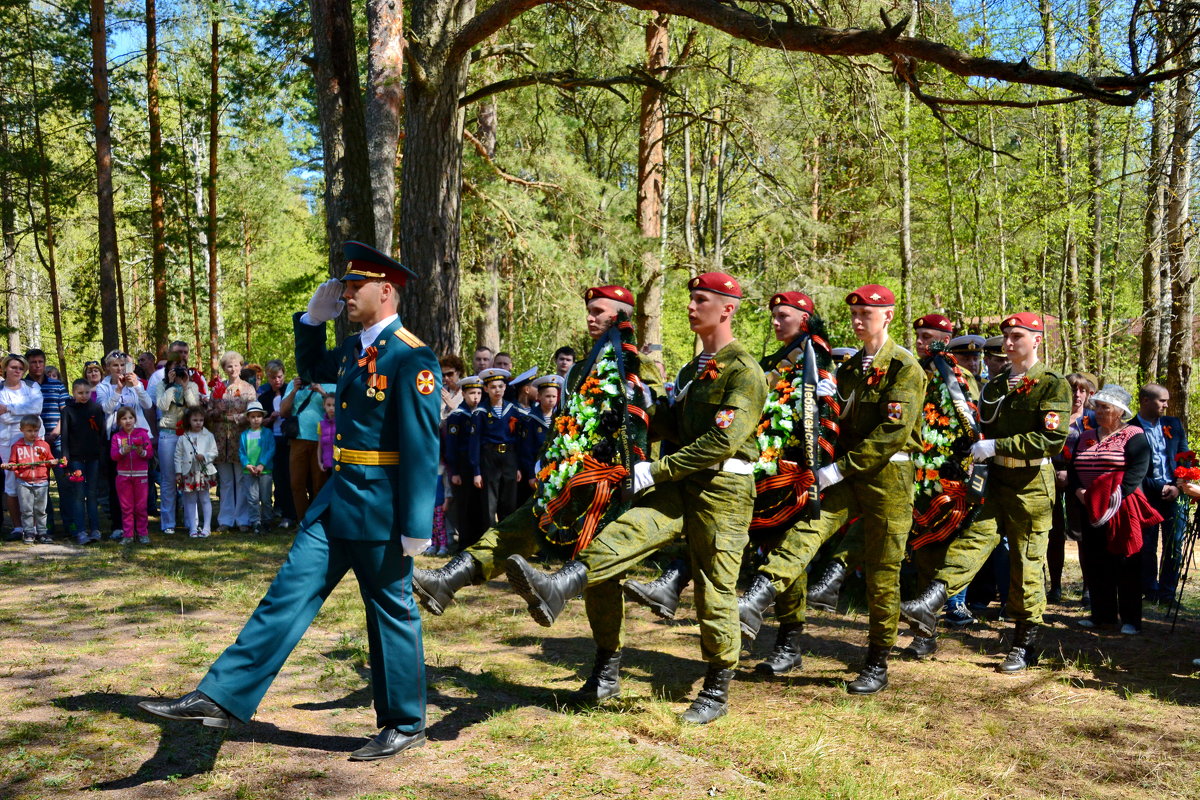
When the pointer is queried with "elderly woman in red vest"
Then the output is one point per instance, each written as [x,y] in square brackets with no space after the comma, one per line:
[1106,474]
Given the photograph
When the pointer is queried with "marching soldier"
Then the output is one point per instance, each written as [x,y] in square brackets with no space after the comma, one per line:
[1024,411]
[704,489]
[373,514]
[880,391]
[518,533]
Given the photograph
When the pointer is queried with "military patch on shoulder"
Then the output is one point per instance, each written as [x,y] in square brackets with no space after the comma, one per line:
[725,417]
[894,411]
[425,382]
[409,338]
[1051,420]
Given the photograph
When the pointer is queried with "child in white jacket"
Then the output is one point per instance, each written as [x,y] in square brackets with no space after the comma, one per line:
[195,471]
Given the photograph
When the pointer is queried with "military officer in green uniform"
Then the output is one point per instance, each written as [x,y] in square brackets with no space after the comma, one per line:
[880,391]
[704,489]
[518,532]
[1024,411]
[371,517]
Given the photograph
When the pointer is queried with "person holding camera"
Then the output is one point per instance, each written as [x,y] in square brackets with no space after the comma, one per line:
[176,394]
[122,388]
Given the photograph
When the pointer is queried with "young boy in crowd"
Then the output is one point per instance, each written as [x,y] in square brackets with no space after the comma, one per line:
[495,436]
[536,425]
[257,454]
[30,462]
[464,513]
[83,447]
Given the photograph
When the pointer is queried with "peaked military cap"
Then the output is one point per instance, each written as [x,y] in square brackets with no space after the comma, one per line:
[969,343]
[494,374]
[471,382]
[994,346]
[367,263]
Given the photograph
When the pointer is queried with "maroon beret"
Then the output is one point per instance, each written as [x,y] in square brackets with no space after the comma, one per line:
[1026,319]
[935,322]
[871,295]
[794,299]
[716,282]
[618,293]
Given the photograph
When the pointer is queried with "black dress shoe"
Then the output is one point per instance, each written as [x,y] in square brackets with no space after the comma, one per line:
[192,706]
[388,743]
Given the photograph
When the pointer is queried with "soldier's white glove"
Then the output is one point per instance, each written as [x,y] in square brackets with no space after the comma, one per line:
[642,480]
[983,450]
[826,387]
[827,476]
[413,547]
[325,304]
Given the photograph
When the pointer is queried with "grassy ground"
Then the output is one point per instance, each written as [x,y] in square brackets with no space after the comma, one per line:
[85,634]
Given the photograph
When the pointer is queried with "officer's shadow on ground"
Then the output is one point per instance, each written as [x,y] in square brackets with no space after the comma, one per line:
[185,748]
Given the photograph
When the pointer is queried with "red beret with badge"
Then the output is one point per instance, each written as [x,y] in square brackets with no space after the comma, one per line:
[871,295]
[618,293]
[367,263]
[1026,319]
[717,283]
[797,300]
[934,322]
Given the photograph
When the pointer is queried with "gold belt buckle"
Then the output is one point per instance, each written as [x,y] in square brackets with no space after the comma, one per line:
[337,453]
[502,448]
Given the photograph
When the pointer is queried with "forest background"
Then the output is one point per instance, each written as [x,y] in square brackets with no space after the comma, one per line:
[600,144]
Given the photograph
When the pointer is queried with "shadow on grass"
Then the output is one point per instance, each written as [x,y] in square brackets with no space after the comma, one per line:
[186,749]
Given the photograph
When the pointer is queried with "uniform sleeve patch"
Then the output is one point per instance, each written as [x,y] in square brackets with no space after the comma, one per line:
[425,382]
[895,411]
[725,417]
[1051,420]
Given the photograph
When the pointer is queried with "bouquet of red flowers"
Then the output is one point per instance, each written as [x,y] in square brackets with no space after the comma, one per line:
[1187,473]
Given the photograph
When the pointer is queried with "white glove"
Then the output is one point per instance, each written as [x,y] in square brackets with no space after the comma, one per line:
[827,476]
[826,387]
[983,449]
[642,480]
[413,547]
[326,303]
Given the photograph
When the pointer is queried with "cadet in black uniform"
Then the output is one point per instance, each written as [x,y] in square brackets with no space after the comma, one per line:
[495,436]
[466,505]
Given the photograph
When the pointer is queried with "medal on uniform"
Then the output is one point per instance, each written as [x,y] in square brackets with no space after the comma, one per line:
[375,382]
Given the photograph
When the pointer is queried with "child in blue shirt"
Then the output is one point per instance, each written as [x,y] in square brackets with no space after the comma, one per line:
[256,451]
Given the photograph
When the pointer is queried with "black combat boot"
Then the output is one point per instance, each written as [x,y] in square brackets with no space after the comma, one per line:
[921,647]
[435,588]
[713,700]
[753,604]
[662,594]
[603,683]
[873,677]
[1023,652]
[546,594]
[922,612]
[786,655]
[823,595]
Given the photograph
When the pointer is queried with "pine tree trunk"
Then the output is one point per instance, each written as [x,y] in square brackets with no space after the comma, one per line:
[651,180]
[213,139]
[110,308]
[349,204]
[487,328]
[158,238]
[431,172]
[385,100]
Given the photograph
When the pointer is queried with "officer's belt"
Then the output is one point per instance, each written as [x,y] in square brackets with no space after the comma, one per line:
[498,448]
[370,458]
[1017,463]
[738,466]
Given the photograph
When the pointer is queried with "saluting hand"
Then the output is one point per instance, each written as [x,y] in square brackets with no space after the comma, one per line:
[326,302]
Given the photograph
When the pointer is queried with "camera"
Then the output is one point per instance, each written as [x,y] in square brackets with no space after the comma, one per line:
[180,373]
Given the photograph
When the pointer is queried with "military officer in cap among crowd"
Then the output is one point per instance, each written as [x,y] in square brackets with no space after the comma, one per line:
[880,391]
[374,513]
[704,489]
[1024,411]
[995,359]
[518,532]
[968,352]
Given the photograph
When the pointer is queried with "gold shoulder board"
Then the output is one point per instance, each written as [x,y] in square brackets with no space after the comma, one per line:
[408,337]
